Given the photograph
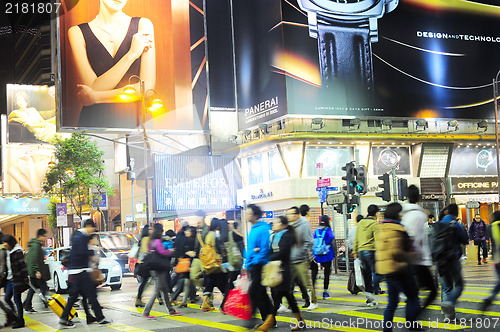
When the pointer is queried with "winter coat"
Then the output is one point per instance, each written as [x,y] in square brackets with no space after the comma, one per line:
[18,269]
[3,265]
[415,221]
[461,237]
[80,253]
[258,238]
[478,231]
[329,240]
[35,259]
[280,251]
[392,248]
[495,240]
[302,250]
[365,236]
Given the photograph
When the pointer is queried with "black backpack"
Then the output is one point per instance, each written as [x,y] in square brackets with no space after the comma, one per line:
[443,245]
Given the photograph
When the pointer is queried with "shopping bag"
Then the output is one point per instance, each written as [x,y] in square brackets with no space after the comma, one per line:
[351,283]
[360,280]
[238,302]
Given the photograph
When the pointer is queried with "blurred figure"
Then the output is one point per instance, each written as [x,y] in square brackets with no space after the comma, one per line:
[79,279]
[478,232]
[325,232]
[494,233]
[141,271]
[17,277]
[38,272]
[10,317]
[430,219]
[184,248]
[393,246]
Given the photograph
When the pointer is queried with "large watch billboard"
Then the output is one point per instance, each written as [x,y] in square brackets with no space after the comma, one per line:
[368,58]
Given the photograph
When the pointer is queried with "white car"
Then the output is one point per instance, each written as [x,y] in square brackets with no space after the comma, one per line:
[59,282]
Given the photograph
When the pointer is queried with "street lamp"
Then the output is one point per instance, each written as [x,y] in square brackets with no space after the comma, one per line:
[495,97]
[156,105]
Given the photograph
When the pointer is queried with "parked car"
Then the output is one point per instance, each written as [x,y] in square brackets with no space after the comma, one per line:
[109,267]
[119,243]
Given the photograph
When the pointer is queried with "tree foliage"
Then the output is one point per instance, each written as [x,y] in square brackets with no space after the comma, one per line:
[78,171]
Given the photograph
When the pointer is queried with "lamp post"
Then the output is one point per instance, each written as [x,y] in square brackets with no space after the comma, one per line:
[495,97]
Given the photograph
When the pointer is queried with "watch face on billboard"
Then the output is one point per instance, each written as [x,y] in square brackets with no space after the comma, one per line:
[387,158]
[332,160]
[123,61]
[473,161]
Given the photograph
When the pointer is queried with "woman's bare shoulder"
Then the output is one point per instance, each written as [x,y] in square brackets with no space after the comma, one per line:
[145,24]
[75,32]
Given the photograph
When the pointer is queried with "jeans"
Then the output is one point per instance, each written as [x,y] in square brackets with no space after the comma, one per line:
[425,280]
[9,292]
[481,245]
[403,282]
[37,283]
[301,270]
[372,280]
[452,284]
[82,284]
[258,293]
[327,269]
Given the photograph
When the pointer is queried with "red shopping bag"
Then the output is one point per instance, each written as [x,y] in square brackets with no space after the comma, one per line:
[238,304]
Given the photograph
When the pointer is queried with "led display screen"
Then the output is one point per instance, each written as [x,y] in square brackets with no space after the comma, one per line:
[385,158]
[473,161]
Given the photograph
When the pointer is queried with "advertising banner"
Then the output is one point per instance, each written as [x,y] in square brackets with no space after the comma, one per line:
[24,206]
[194,182]
[467,161]
[31,111]
[121,53]
[24,167]
[385,158]
[407,58]
[62,214]
[475,185]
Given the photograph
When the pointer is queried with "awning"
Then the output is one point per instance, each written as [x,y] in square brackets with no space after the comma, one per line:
[481,198]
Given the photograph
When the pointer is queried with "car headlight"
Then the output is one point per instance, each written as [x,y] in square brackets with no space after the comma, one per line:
[116,267]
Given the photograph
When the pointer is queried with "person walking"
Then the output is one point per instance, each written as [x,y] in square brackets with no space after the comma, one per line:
[184,248]
[80,282]
[257,255]
[393,244]
[38,271]
[17,277]
[478,232]
[158,273]
[494,234]
[143,273]
[325,236]
[196,273]
[364,249]
[415,221]
[10,316]
[448,259]
[282,240]
[301,254]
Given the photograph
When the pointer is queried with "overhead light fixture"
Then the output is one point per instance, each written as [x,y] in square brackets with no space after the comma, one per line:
[387,123]
[482,126]
[453,124]
[232,138]
[422,124]
[263,128]
[317,124]
[355,123]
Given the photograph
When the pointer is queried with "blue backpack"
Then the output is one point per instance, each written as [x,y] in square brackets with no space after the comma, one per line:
[320,248]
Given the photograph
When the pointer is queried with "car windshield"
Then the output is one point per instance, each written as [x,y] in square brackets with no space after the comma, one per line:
[63,253]
[116,241]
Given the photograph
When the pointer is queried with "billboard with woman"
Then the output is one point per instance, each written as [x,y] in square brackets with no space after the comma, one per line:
[111,50]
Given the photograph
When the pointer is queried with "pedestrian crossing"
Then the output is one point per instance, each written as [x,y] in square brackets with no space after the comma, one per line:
[342,312]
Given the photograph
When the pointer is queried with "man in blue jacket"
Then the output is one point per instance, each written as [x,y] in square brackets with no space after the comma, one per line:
[257,255]
[79,279]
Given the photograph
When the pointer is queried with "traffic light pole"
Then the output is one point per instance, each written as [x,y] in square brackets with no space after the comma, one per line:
[394,185]
[344,213]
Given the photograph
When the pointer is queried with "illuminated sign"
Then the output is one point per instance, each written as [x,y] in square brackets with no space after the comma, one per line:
[194,182]
[24,206]
[480,185]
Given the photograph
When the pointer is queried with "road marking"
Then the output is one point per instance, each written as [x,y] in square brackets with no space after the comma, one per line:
[126,328]
[322,325]
[203,322]
[37,326]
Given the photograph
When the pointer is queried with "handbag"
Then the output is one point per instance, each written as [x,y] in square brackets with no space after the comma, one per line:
[234,256]
[272,274]
[358,271]
[351,283]
[97,276]
[183,265]
[156,262]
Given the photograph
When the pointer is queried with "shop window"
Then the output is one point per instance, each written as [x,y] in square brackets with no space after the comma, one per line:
[256,169]
[332,159]
[277,169]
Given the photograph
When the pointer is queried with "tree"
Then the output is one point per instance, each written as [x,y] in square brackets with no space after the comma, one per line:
[77,176]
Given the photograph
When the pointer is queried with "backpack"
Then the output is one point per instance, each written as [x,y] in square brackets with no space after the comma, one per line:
[320,248]
[209,258]
[442,245]
[234,256]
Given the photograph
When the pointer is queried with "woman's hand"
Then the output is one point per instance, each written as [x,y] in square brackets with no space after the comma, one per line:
[141,43]
[18,116]
[85,95]
[191,253]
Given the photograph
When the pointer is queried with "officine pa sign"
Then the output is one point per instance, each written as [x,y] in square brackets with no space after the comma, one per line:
[474,185]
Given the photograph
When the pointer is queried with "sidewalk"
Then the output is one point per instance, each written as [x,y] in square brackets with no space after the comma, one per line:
[474,274]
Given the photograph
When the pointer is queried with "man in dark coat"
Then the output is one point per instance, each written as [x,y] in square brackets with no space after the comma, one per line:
[37,270]
[478,232]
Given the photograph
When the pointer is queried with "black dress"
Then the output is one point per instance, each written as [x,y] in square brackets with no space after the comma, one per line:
[110,115]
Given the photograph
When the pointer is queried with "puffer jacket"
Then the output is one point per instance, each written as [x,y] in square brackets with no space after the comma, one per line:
[478,231]
[415,221]
[19,269]
[392,248]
